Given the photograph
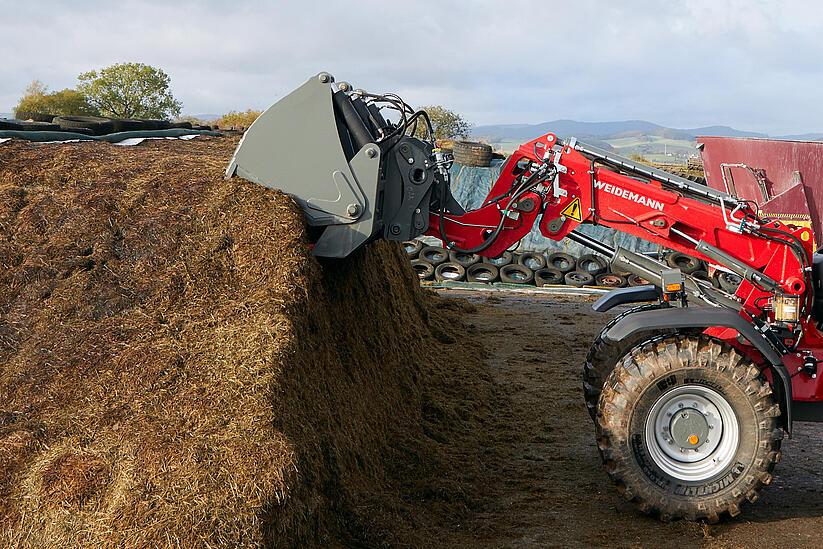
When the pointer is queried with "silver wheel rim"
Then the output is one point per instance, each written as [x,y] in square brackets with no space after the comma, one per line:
[692,433]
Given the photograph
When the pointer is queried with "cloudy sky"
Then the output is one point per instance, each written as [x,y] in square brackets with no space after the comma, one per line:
[751,64]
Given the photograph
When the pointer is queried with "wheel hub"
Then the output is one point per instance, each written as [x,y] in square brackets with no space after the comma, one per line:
[692,432]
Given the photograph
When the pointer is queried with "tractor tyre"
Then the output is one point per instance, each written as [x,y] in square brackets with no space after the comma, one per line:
[578,279]
[546,276]
[423,269]
[482,272]
[514,273]
[470,153]
[533,260]
[413,248]
[434,255]
[604,354]
[687,427]
[564,263]
[450,272]
[504,259]
[462,258]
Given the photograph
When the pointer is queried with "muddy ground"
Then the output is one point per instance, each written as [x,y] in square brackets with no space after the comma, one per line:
[543,483]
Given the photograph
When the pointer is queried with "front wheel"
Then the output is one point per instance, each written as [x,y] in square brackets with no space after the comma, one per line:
[688,428]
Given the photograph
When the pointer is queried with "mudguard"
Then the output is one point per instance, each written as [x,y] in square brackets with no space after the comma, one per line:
[621,296]
[673,318]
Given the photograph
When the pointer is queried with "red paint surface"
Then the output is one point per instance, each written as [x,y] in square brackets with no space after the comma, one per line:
[778,160]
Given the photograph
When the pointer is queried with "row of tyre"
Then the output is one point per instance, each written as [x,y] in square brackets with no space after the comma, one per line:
[439,264]
[90,125]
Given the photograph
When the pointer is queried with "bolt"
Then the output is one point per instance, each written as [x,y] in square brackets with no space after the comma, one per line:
[680,405]
[417,210]
[685,415]
[411,160]
[395,229]
[711,426]
[353,210]
[324,77]
[344,86]
[668,414]
[371,152]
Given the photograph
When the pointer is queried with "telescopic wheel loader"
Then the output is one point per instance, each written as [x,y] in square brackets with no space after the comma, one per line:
[692,391]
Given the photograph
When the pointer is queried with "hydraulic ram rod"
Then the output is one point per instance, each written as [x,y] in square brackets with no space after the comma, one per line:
[591,243]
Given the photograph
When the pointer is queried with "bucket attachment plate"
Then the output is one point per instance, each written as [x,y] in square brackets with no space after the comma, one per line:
[295,146]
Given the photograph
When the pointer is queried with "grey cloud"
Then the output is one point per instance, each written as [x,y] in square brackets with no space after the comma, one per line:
[748,63]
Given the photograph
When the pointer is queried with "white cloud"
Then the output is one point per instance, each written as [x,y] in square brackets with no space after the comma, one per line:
[748,63]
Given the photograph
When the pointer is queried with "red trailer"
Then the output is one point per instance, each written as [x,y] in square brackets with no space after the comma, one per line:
[785,178]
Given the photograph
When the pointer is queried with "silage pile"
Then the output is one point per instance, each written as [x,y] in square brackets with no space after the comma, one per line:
[175,369]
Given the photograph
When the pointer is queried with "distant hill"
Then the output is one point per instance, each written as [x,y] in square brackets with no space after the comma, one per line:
[601,130]
[802,137]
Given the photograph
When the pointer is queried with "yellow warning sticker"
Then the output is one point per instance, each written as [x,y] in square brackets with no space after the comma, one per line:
[573,210]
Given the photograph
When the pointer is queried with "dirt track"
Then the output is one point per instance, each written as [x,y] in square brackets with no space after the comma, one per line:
[544,483]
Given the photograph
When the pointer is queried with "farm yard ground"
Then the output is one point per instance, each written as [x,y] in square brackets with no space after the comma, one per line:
[544,485]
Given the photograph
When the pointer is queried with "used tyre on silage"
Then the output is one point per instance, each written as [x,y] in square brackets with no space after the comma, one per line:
[610,280]
[563,262]
[504,259]
[686,263]
[548,275]
[434,255]
[34,116]
[462,258]
[98,125]
[412,248]
[470,153]
[482,272]
[450,272]
[533,260]
[423,269]
[592,264]
[579,279]
[514,273]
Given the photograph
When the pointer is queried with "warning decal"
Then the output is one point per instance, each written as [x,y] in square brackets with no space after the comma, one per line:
[573,211]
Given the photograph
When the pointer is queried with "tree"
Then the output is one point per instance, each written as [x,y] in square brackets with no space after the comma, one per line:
[447,124]
[238,119]
[38,100]
[130,90]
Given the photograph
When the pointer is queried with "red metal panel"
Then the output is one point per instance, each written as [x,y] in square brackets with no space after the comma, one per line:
[774,168]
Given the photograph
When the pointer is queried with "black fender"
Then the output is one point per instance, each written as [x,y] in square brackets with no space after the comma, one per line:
[621,296]
[704,317]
